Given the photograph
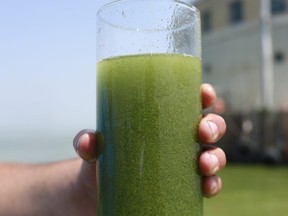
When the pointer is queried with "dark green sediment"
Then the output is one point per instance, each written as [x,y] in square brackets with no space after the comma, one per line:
[148,110]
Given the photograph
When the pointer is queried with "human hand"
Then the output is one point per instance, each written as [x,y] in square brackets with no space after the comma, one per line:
[211,128]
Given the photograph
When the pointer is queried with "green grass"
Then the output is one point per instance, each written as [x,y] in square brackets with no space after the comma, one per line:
[251,190]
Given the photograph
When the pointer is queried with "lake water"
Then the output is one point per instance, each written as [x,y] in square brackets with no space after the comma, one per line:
[36,148]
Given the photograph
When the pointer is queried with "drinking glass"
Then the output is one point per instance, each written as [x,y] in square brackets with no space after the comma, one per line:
[148,108]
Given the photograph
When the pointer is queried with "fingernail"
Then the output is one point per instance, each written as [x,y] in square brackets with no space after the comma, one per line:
[82,139]
[213,129]
[76,140]
[210,88]
[214,163]
[213,187]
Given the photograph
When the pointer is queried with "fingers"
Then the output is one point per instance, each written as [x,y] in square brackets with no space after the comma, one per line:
[208,95]
[84,144]
[211,161]
[211,186]
[211,128]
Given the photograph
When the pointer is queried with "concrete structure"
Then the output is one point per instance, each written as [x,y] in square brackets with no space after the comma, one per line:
[232,51]
[233,44]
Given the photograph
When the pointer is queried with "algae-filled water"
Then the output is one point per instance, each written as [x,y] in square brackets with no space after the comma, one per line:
[148,110]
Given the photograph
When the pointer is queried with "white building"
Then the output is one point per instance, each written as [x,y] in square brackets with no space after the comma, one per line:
[232,61]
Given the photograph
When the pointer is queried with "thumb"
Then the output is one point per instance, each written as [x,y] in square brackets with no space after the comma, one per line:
[85,145]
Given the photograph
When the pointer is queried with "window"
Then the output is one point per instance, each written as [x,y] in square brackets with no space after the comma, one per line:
[236,12]
[206,21]
[207,68]
[278,6]
[279,57]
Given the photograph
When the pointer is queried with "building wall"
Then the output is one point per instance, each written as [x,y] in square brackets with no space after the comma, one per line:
[231,63]
[280,43]
[220,11]
[232,55]
[251,8]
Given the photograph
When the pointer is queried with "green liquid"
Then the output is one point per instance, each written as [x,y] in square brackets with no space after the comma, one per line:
[148,110]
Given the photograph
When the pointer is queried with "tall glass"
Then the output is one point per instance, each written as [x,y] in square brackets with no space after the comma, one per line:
[148,108]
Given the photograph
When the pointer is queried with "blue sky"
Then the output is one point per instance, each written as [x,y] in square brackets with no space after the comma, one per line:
[47,76]
[47,65]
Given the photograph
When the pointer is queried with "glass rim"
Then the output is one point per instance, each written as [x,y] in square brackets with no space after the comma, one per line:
[108,5]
